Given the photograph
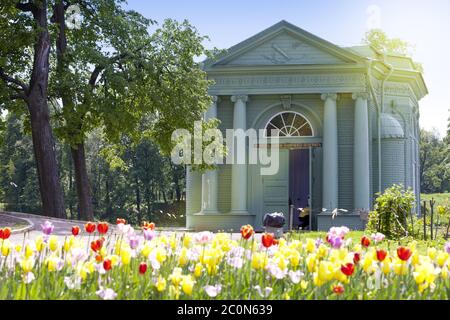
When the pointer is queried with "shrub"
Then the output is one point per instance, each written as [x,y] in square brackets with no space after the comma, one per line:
[391,212]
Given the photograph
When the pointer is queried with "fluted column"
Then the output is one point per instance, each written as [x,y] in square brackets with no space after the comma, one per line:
[330,152]
[210,178]
[361,169]
[239,171]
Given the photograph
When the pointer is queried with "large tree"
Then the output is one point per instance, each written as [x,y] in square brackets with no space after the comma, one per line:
[25,46]
[112,73]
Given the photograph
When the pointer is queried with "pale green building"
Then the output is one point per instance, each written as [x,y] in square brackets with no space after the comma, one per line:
[349,127]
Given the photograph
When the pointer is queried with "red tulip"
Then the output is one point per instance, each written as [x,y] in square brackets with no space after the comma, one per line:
[348,269]
[75,230]
[99,258]
[107,264]
[102,227]
[97,245]
[404,253]
[148,226]
[267,239]
[356,257]
[338,289]
[120,220]
[247,231]
[381,255]
[89,227]
[142,268]
[5,233]
[365,242]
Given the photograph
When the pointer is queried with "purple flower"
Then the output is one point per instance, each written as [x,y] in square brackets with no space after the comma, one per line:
[47,228]
[149,234]
[335,242]
[134,241]
[447,247]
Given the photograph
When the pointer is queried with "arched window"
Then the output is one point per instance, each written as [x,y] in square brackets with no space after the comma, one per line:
[289,124]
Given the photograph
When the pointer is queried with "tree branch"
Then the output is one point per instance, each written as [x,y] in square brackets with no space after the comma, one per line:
[99,68]
[9,79]
[26,7]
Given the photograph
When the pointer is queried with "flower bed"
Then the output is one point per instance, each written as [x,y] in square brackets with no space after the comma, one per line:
[214,266]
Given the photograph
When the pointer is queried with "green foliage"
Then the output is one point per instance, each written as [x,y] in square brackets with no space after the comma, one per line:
[379,40]
[392,209]
[434,163]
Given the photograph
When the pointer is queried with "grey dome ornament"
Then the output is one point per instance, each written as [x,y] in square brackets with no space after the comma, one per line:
[390,127]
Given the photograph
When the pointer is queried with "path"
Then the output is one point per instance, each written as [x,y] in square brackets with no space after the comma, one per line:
[63,228]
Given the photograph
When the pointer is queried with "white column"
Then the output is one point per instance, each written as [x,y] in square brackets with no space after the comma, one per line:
[361,169]
[239,171]
[210,178]
[330,153]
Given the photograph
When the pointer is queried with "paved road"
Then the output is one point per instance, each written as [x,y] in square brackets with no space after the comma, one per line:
[63,228]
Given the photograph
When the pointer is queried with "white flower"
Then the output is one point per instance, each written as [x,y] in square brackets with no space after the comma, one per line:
[106,294]
[72,283]
[203,237]
[213,291]
[77,255]
[276,271]
[235,262]
[264,294]
[125,229]
[377,237]
[28,277]
[295,276]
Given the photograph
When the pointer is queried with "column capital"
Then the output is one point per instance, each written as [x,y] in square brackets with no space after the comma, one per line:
[215,99]
[242,97]
[360,95]
[332,96]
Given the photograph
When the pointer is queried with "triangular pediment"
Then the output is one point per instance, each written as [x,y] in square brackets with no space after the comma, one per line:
[284,44]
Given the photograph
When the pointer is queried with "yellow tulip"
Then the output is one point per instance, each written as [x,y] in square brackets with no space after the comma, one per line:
[187,240]
[161,254]
[125,256]
[183,259]
[146,250]
[28,251]
[187,284]
[303,284]
[40,244]
[441,258]
[161,284]
[176,276]
[198,270]
[18,248]
[6,248]
[259,260]
[400,267]
[53,243]
[431,252]
[322,252]
[310,245]
[294,258]
[311,262]
[27,265]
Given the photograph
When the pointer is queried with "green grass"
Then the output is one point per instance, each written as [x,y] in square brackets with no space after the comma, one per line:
[440,198]
[422,246]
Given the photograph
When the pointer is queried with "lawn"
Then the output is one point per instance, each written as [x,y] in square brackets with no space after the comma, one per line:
[440,198]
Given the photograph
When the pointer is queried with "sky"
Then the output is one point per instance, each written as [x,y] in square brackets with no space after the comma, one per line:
[423,24]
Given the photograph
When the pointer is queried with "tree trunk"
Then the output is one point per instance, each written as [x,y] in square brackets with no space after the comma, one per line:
[82,183]
[49,185]
[138,200]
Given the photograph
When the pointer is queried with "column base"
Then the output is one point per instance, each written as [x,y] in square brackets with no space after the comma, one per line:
[208,212]
[224,222]
[239,212]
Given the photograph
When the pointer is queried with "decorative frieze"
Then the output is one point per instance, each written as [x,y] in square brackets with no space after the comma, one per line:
[289,81]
